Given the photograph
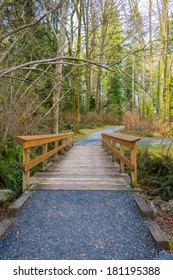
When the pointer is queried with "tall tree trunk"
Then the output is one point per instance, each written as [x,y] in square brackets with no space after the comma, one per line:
[164,88]
[78,9]
[151,97]
[58,70]
[166,92]
[137,21]
[87,69]
[105,15]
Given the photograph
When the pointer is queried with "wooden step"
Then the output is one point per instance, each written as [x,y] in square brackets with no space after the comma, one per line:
[158,236]
[81,187]
[14,207]
[146,210]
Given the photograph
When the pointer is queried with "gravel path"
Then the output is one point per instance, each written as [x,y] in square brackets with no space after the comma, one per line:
[95,138]
[79,225]
[154,142]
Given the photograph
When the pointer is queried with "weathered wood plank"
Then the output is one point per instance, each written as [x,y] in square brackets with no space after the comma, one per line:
[70,183]
[14,207]
[81,187]
[146,210]
[124,159]
[71,176]
[80,170]
[158,236]
[122,139]
[29,165]
[38,140]
[4,226]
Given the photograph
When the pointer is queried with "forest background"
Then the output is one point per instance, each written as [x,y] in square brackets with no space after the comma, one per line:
[72,64]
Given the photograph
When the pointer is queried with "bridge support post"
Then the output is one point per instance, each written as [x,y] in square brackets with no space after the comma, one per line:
[121,162]
[26,174]
[56,143]
[44,148]
[134,162]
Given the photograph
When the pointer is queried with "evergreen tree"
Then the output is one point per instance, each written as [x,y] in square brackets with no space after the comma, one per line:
[115,95]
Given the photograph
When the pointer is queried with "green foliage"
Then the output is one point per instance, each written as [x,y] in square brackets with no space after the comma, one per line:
[11,165]
[115,98]
[156,172]
[127,83]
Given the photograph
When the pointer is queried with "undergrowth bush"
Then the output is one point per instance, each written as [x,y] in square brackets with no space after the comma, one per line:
[155,174]
[11,165]
[145,127]
[93,119]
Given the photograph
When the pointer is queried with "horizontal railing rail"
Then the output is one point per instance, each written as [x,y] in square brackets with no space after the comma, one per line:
[110,141]
[58,142]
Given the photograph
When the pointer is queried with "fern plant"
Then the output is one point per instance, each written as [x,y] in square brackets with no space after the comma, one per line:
[157,173]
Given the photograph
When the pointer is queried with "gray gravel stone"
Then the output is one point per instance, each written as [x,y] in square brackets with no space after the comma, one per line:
[95,138]
[78,225]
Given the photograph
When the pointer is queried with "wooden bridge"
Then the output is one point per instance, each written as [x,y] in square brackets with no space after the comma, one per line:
[80,168]
[83,167]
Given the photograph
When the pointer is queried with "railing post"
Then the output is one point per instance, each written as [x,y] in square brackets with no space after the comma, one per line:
[134,162]
[56,146]
[40,140]
[115,147]
[65,141]
[106,148]
[121,162]
[59,144]
[44,149]
[26,174]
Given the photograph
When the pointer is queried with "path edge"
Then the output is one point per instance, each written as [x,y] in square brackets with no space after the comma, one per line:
[147,213]
[12,211]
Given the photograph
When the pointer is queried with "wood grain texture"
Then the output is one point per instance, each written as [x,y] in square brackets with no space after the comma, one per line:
[83,168]
[158,236]
[146,210]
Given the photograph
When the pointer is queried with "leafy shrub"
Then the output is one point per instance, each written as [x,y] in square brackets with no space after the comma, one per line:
[11,165]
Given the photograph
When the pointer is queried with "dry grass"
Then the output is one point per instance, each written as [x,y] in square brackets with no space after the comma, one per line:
[145,127]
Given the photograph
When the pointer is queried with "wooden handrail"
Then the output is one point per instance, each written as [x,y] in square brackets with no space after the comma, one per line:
[109,142]
[60,142]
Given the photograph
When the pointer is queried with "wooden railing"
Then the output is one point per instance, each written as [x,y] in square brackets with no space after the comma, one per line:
[58,142]
[115,144]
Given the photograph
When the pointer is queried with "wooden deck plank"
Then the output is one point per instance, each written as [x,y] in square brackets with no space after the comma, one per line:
[82,168]
[90,187]
[99,183]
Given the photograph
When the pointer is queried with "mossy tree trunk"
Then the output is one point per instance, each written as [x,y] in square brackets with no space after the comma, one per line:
[58,70]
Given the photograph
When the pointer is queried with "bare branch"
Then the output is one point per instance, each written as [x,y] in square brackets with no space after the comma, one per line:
[47,61]
[33,83]
[26,26]
[10,48]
